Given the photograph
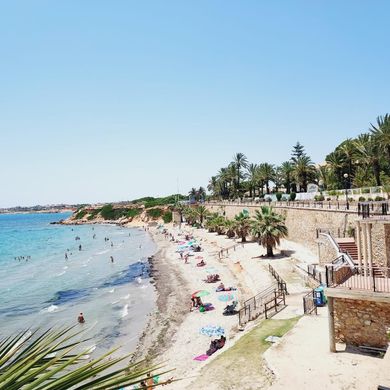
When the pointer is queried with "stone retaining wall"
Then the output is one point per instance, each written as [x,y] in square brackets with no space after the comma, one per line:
[359,322]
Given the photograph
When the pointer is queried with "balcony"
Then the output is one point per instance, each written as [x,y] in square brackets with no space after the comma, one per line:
[375,279]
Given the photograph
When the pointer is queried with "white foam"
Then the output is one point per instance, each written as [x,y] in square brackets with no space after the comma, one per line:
[51,309]
[125,311]
[139,280]
[61,273]
[111,291]
[126,296]
[66,267]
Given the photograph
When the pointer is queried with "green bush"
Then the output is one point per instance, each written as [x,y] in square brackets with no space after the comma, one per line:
[365,190]
[362,199]
[319,198]
[279,196]
[107,212]
[133,213]
[378,198]
[332,193]
[81,214]
[154,213]
[167,217]
[370,199]
[293,195]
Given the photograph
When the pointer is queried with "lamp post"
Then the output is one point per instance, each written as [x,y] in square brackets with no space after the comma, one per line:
[346,189]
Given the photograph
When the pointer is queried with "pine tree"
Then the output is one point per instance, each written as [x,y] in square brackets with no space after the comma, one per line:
[297,152]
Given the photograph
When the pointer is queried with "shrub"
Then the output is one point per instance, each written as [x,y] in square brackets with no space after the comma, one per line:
[133,213]
[81,214]
[319,198]
[167,217]
[154,213]
[293,195]
[362,199]
[329,199]
[332,193]
[365,190]
[377,198]
[370,199]
[279,196]
[107,212]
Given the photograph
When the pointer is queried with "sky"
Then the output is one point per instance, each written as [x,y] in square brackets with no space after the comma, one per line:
[112,100]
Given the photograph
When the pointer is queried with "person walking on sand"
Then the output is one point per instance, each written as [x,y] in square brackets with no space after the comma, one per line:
[112,259]
[66,256]
[80,247]
[80,318]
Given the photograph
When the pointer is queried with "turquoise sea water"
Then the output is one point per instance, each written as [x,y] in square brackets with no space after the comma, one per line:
[40,287]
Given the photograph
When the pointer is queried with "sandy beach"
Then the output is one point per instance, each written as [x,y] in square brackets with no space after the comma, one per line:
[173,332]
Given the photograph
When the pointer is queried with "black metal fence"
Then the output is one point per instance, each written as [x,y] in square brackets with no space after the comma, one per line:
[281,283]
[270,299]
[370,209]
[309,307]
[375,279]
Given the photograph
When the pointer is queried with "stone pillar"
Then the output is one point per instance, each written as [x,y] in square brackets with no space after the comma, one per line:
[369,246]
[332,342]
[359,243]
[364,244]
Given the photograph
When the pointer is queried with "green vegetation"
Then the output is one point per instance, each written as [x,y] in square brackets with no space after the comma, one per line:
[133,213]
[81,214]
[245,356]
[358,162]
[154,213]
[167,217]
[49,360]
[268,227]
[149,201]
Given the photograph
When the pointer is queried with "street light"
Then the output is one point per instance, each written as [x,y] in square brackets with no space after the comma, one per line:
[346,189]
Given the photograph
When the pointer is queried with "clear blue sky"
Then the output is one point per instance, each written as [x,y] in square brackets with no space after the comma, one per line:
[112,100]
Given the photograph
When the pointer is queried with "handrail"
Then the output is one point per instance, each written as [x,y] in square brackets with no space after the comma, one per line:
[336,246]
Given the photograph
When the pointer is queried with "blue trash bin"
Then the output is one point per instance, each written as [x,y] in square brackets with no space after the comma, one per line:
[319,296]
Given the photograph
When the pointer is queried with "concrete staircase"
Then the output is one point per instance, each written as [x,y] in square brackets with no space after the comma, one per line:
[349,246]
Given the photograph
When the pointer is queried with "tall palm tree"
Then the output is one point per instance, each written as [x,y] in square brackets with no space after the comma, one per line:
[265,174]
[268,227]
[242,225]
[369,154]
[304,171]
[252,176]
[55,360]
[239,161]
[348,153]
[381,133]
[202,213]
[287,169]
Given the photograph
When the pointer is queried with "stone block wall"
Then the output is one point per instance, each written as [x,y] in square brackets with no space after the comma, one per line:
[326,251]
[378,244]
[301,223]
[359,322]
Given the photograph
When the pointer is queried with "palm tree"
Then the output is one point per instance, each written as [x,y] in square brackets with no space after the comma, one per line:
[265,174]
[242,225]
[286,170]
[55,360]
[202,213]
[304,171]
[230,227]
[381,133]
[239,161]
[348,152]
[369,154]
[252,177]
[268,227]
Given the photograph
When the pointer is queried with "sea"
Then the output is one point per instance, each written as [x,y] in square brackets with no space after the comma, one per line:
[49,273]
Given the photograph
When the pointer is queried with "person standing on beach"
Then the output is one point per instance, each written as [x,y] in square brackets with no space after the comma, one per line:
[80,247]
[80,318]
[66,256]
[112,259]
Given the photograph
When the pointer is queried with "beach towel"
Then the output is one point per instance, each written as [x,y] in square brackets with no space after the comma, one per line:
[226,297]
[212,331]
[201,358]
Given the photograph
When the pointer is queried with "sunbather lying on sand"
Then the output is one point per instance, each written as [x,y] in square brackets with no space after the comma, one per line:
[215,345]
[212,278]
[201,263]
[222,287]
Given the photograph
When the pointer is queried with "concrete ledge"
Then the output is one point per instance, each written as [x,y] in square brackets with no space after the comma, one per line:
[357,294]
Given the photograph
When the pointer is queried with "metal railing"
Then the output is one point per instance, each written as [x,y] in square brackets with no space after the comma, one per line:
[269,299]
[374,209]
[281,283]
[375,279]
[339,205]
[309,305]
